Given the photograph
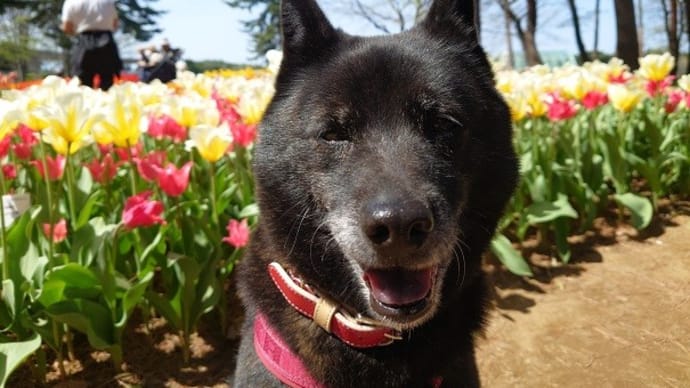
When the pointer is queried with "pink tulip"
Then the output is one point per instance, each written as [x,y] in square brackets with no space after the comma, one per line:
[56,167]
[594,99]
[139,211]
[560,108]
[166,126]
[57,232]
[103,171]
[9,171]
[174,181]
[238,233]
[149,166]
[5,146]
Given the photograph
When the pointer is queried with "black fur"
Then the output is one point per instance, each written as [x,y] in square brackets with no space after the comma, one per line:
[412,118]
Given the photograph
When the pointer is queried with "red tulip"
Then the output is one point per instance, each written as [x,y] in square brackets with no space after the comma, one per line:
[5,146]
[174,181]
[673,99]
[56,167]
[149,166]
[243,134]
[9,171]
[238,233]
[594,99]
[103,171]
[27,140]
[139,211]
[57,232]
[166,126]
[561,109]
[655,88]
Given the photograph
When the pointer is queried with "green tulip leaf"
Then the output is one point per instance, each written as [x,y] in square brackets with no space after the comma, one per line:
[12,354]
[640,208]
[509,256]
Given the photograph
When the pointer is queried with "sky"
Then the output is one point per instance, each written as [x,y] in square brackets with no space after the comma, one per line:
[214,30]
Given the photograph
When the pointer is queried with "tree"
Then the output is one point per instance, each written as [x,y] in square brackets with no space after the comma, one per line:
[627,47]
[265,28]
[584,57]
[389,16]
[671,25]
[527,35]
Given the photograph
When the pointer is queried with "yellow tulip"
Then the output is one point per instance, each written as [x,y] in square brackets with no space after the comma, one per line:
[684,82]
[9,117]
[69,123]
[518,106]
[655,67]
[622,98]
[211,142]
[537,107]
[122,124]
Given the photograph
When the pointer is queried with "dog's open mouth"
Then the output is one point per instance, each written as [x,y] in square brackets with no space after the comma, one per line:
[400,293]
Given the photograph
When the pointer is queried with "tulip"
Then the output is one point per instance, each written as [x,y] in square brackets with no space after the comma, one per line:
[243,134]
[622,98]
[10,115]
[123,122]
[57,232]
[27,140]
[9,171]
[56,167]
[560,109]
[655,67]
[238,233]
[166,126]
[174,181]
[103,171]
[139,211]
[70,122]
[5,143]
[211,142]
[149,166]
[594,99]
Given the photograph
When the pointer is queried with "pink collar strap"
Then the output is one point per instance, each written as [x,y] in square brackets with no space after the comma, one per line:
[278,358]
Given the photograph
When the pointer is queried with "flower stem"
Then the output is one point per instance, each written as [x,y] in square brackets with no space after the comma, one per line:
[3,232]
[70,189]
[49,198]
[214,206]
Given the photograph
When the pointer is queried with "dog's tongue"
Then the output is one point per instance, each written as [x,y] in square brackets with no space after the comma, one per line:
[399,287]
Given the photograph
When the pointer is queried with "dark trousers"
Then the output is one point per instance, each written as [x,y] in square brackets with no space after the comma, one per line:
[96,53]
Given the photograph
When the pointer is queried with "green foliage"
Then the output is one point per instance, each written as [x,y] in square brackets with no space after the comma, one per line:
[265,28]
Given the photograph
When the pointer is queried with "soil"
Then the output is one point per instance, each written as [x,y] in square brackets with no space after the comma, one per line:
[618,315]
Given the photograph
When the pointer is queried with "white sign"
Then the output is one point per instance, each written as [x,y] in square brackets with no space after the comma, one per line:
[14,206]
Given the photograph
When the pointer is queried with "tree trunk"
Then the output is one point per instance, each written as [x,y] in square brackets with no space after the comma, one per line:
[527,37]
[529,42]
[578,35]
[687,31]
[627,47]
[509,40]
[478,20]
[671,26]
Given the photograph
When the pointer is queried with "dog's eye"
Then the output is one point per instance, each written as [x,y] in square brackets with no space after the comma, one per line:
[334,135]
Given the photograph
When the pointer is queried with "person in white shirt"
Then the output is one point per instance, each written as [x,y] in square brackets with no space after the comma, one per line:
[95,51]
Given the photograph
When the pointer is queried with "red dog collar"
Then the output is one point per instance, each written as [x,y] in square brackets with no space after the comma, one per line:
[356,332]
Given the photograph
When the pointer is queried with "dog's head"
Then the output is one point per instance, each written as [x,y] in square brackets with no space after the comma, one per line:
[383,163]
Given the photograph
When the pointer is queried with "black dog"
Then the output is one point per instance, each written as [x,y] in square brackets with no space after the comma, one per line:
[382,168]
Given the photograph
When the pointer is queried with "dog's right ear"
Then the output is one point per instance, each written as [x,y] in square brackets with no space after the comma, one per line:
[307,33]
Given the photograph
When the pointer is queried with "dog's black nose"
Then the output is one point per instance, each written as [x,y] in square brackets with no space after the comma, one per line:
[396,227]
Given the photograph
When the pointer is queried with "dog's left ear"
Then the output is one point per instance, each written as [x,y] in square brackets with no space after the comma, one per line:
[452,18]
[306,31]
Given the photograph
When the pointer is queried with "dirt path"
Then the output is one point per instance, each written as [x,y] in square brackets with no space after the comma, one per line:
[620,317]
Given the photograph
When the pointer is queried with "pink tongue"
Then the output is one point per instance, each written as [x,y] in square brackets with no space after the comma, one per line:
[399,287]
